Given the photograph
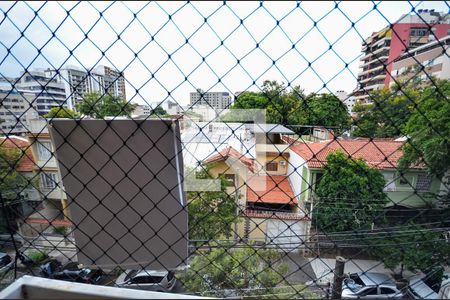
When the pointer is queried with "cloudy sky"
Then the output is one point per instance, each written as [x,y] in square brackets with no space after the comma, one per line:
[167,49]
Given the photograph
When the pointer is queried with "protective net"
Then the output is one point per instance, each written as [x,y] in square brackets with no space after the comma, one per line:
[243,149]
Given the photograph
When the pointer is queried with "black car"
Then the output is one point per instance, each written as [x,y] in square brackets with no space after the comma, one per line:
[70,272]
[6,262]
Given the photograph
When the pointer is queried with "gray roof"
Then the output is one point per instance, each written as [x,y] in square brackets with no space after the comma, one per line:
[268,128]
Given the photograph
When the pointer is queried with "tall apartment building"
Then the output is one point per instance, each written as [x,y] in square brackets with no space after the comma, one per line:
[215,100]
[382,48]
[433,56]
[13,107]
[348,100]
[47,92]
[78,82]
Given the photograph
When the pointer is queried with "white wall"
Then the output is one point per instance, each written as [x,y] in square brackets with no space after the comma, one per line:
[295,175]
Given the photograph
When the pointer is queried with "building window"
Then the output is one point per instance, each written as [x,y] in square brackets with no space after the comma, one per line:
[423,183]
[48,180]
[44,150]
[229,178]
[272,166]
[419,31]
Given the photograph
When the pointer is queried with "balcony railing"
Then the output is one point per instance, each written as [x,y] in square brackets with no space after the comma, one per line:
[254,213]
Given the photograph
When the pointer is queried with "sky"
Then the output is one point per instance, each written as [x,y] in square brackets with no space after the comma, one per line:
[168,49]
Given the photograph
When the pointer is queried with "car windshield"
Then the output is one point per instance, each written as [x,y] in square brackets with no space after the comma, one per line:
[353,285]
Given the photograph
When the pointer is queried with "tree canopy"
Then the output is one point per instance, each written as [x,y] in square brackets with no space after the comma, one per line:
[428,129]
[211,213]
[293,107]
[159,111]
[238,272]
[412,247]
[387,115]
[61,112]
[100,106]
[350,195]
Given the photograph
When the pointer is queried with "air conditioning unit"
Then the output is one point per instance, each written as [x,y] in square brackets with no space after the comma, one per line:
[282,162]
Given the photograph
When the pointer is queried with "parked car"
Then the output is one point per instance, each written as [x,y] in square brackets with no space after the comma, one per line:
[6,262]
[70,272]
[162,281]
[428,286]
[369,286]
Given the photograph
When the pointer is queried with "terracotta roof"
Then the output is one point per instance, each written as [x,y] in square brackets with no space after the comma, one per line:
[270,189]
[26,162]
[231,152]
[378,153]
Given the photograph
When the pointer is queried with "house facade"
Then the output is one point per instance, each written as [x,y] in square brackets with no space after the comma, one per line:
[29,199]
[269,209]
[412,189]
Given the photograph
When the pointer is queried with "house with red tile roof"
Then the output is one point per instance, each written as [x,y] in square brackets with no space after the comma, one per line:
[413,189]
[30,197]
[267,204]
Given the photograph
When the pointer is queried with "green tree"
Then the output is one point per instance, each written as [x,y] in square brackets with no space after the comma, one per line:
[61,112]
[159,111]
[428,130]
[247,271]
[12,183]
[101,106]
[293,107]
[212,214]
[388,114]
[350,195]
[326,110]
[412,247]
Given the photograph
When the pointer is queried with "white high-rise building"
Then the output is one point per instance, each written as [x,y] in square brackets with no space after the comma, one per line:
[348,100]
[47,92]
[77,82]
[13,108]
[214,100]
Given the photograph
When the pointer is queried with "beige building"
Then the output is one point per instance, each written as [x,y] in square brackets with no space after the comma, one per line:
[434,57]
[47,170]
[13,107]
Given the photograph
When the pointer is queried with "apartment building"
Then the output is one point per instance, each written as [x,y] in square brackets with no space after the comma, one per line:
[47,92]
[47,170]
[77,82]
[348,100]
[214,100]
[13,108]
[382,48]
[433,56]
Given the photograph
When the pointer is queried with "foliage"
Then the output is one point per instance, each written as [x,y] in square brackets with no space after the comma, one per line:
[37,256]
[159,111]
[350,194]
[428,130]
[412,247]
[11,181]
[101,106]
[211,213]
[60,230]
[61,112]
[235,272]
[388,114]
[292,106]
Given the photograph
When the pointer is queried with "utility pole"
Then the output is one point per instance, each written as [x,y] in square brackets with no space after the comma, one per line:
[338,278]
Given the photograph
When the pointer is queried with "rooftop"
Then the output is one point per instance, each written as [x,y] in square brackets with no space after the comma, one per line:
[26,162]
[233,153]
[380,154]
[274,189]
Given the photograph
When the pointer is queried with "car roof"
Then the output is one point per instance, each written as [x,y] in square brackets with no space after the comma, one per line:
[370,278]
[149,273]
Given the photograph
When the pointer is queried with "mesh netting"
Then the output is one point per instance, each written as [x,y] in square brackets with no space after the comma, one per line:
[227,149]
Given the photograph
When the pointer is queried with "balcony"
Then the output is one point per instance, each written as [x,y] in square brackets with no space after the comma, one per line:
[29,287]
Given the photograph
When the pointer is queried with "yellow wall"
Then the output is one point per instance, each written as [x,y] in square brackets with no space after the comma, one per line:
[221,167]
[264,158]
[256,233]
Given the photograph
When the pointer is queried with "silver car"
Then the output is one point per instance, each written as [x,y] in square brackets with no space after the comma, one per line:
[370,286]
[161,281]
